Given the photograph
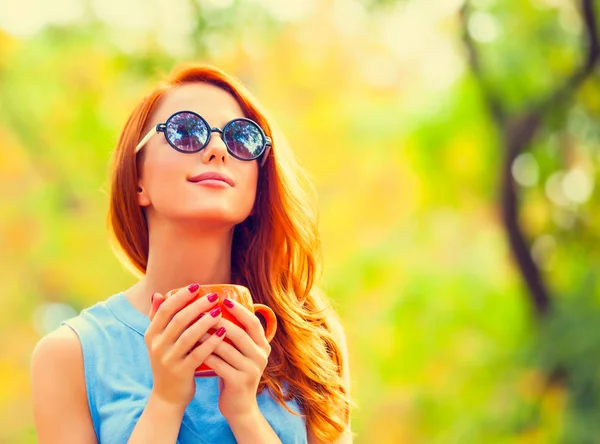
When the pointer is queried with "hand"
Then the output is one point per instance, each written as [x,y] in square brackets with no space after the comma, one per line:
[241,365]
[172,341]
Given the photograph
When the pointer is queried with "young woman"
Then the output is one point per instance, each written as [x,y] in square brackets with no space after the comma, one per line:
[202,192]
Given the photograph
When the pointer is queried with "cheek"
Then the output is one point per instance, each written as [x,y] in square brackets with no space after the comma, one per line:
[246,188]
[251,182]
[162,175]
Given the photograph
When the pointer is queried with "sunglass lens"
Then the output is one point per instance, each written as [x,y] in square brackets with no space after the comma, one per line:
[244,139]
[187,132]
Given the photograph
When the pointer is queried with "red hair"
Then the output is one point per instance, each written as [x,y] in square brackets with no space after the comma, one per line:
[275,254]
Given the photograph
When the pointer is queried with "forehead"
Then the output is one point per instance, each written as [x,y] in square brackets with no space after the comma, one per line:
[216,105]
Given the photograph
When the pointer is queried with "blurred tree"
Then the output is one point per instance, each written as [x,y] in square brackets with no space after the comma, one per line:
[566,344]
[517,129]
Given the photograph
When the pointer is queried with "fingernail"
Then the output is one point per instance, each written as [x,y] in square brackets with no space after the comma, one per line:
[193,288]
[212,297]
[228,303]
[152,298]
[220,332]
[215,312]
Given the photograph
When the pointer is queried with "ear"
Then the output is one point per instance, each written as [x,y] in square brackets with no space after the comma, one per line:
[142,196]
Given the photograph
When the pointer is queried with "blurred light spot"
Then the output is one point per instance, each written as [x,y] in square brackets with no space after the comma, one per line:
[348,16]
[218,44]
[577,185]
[251,46]
[569,17]
[396,30]
[525,170]
[415,36]
[131,14]
[379,71]
[24,18]
[440,72]
[289,10]
[175,28]
[48,316]
[542,250]
[483,27]
[451,7]
[215,4]
[554,189]
[483,4]
[564,219]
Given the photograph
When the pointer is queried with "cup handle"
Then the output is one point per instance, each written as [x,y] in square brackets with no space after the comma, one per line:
[270,320]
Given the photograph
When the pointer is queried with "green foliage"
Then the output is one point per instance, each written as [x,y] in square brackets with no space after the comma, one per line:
[378,102]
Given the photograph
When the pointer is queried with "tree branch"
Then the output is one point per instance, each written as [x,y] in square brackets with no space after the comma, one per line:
[517,135]
[491,100]
[518,132]
[592,44]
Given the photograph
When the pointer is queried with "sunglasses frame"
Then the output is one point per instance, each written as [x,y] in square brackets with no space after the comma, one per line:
[162,128]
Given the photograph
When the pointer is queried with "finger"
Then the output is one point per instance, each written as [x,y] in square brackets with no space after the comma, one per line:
[233,356]
[204,350]
[172,305]
[190,337]
[249,321]
[185,317]
[205,337]
[221,368]
[157,300]
[244,343]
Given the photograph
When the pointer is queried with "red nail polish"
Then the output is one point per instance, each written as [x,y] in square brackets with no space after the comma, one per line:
[152,298]
[220,332]
[193,288]
[228,303]
[212,297]
[215,312]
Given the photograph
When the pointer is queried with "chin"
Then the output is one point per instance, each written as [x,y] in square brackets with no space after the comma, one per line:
[217,216]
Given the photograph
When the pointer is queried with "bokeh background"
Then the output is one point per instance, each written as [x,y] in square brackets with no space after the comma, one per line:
[435,131]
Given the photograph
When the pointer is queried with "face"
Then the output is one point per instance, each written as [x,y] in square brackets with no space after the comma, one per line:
[169,189]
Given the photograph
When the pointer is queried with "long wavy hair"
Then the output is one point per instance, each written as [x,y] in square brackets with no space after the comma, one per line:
[275,253]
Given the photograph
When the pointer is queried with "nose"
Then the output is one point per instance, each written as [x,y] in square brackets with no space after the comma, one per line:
[215,150]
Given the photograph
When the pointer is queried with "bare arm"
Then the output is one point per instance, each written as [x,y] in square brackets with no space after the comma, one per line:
[160,422]
[253,429]
[60,407]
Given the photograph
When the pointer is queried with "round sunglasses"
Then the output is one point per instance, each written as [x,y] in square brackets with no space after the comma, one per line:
[189,132]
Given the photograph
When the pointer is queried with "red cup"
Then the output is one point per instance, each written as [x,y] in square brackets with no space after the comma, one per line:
[242,296]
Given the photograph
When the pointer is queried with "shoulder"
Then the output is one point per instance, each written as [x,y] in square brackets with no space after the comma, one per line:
[60,348]
[58,388]
[57,358]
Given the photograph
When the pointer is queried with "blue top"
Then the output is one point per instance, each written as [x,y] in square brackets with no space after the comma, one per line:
[118,379]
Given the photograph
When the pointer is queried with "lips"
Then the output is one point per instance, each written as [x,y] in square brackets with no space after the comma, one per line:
[212,176]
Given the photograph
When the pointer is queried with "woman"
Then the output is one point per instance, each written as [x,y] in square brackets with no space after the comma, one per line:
[201,192]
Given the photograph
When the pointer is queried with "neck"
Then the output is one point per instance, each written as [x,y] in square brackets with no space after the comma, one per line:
[183,255]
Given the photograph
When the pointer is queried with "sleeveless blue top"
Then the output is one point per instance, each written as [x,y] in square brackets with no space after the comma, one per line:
[118,380]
